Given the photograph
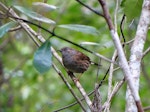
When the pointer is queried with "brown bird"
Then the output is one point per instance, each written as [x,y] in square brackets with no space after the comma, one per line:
[75,61]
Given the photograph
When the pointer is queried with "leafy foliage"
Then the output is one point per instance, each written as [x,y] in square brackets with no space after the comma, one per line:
[34,15]
[44,6]
[132,8]
[5,28]
[81,28]
[43,57]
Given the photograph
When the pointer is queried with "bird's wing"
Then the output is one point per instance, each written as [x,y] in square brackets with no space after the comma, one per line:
[81,56]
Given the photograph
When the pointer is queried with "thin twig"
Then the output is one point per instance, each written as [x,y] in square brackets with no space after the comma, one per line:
[115,15]
[113,93]
[110,77]
[90,8]
[106,14]
[98,69]
[16,28]
[146,108]
[69,87]
[129,42]
[121,29]
[68,106]
[146,52]
[81,89]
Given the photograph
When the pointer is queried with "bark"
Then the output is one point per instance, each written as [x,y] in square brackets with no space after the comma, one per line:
[136,55]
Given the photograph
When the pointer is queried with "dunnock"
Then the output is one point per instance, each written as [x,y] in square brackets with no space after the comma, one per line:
[74,60]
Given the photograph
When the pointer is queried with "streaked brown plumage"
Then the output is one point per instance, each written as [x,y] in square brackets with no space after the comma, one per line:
[75,61]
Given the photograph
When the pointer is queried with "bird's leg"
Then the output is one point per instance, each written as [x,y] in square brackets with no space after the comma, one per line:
[72,76]
[78,78]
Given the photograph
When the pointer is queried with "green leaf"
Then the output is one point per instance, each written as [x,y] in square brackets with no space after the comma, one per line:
[43,57]
[5,28]
[34,15]
[132,8]
[44,7]
[81,28]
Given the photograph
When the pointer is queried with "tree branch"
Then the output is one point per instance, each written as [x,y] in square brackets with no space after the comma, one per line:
[106,14]
[110,78]
[137,53]
[69,87]
[90,8]
[146,52]
[122,58]
[116,88]
[81,89]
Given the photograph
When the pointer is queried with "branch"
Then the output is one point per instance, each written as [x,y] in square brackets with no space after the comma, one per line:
[146,108]
[69,87]
[16,28]
[113,93]
[122,58]
[110,78]
[106,14]
[81,89]
[115,14]
[90,8]
[146,52]
[137,52]
[121,29]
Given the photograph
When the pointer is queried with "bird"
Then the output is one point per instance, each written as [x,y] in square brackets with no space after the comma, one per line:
[75,61]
